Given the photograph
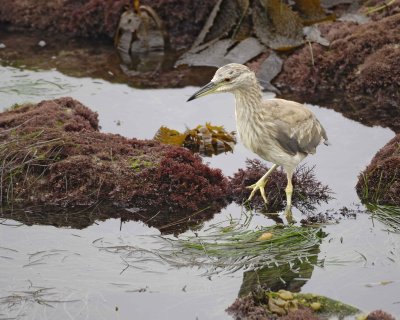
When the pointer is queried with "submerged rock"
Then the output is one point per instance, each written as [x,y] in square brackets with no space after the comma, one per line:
[379,183]
[52,154]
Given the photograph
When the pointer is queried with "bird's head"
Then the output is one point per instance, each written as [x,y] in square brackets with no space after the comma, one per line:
[228,78]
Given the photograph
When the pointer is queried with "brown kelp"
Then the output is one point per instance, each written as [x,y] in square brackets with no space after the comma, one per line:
[205,139]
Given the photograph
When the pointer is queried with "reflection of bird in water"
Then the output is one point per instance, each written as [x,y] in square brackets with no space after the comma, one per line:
[280,131]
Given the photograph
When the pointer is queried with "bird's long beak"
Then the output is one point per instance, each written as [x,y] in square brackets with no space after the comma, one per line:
[207,89]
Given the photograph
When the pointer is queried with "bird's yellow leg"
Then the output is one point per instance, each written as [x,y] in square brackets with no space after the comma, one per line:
[260,184]
[289,191]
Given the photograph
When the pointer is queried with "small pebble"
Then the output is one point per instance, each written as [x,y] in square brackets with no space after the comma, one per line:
[265,236]
[285,295]
[42,43]
[315,306]
[2,45]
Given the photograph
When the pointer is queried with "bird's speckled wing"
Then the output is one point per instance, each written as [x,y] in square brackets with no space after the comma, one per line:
[293,126]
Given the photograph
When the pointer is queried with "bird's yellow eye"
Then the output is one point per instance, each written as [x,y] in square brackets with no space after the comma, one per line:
[227,79]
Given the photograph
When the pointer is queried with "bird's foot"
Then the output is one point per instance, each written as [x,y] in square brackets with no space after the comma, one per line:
[289,215]
[259,185]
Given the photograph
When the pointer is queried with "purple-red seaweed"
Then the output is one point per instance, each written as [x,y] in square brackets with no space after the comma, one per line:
[53,154]
[358,74]
[379,183]
[308,191]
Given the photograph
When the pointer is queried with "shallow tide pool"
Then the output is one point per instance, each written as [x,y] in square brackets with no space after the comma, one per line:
[60,273]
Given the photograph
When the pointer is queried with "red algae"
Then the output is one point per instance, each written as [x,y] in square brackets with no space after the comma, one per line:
[357,74]
[53,154]
[379,183]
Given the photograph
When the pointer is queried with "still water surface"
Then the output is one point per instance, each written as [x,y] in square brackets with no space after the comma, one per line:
[83,282]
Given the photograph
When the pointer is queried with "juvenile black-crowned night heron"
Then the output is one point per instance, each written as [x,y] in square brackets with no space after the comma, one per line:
[280,131]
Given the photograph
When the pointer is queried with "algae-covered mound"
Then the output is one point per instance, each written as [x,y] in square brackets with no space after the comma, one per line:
[53,154]
[358,74]
[379,183]
[287,305]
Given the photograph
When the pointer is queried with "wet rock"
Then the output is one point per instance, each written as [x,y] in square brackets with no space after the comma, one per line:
[358,75]
[276,25]
[223,52]
[53,154]
[379,183]
[240,31]
[268,69]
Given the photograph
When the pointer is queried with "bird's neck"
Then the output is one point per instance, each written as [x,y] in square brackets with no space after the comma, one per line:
[249,100]
[248,114]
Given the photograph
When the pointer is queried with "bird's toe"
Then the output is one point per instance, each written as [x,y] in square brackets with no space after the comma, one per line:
[262,191]
[259,185]
[254,185]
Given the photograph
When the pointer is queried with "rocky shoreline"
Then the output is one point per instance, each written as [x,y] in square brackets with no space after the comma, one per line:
[358,74]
